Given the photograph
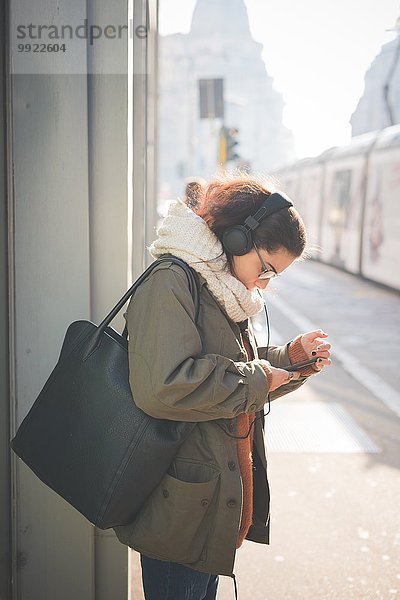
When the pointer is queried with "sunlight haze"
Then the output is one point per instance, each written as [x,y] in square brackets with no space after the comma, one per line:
[317,53]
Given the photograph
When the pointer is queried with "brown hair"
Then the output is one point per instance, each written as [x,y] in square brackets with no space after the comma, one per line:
[193,191]
[228,201]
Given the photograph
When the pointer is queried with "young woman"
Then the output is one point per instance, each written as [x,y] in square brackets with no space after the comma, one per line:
[211,372]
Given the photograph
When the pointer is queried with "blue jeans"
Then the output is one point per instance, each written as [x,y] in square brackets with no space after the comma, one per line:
[170,581]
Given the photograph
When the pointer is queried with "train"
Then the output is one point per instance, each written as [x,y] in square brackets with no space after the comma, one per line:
[349,198]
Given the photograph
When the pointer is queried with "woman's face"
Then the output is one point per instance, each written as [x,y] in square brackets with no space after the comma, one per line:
[248,267]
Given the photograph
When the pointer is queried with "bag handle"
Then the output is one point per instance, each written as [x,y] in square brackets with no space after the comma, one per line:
[95,339]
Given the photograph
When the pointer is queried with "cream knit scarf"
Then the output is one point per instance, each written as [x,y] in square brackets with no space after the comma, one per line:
[187,236]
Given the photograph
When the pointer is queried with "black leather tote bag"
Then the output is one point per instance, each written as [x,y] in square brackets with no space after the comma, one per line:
[85,438]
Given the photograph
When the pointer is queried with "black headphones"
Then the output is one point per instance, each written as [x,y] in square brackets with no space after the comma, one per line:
[238,240]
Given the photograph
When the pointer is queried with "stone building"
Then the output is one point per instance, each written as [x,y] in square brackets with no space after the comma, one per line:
[219,45]
[372,111]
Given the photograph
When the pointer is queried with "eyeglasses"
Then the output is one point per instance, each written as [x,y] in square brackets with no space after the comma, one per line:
[266,273]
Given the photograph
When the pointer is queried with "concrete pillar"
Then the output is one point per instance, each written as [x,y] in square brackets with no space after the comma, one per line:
[69,207]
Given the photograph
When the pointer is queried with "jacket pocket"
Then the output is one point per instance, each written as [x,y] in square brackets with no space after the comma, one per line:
[172,523]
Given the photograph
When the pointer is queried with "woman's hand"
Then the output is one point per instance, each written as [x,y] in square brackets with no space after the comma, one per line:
[314,344]
[281,377]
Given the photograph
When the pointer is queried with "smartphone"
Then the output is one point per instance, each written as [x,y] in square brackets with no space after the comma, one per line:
[299,366]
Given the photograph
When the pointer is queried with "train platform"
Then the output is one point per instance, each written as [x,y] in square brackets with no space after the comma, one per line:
[333,450]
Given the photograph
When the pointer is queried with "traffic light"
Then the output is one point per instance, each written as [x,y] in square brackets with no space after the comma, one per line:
[222,146]
[231,143]
[227,143]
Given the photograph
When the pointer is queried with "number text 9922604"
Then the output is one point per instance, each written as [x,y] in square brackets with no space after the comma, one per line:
[42,48]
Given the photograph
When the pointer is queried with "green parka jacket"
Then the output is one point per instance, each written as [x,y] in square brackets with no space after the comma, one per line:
[186,372]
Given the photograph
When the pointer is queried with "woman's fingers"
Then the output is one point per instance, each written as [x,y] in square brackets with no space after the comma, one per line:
[311,336]
[324,346]
[323,354]
[322,362]
[322,351]
[312,339]
[315,345]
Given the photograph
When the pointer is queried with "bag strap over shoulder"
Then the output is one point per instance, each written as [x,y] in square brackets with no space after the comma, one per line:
[191,276]
[95,339]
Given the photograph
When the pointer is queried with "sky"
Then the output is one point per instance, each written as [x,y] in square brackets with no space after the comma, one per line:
[320,89]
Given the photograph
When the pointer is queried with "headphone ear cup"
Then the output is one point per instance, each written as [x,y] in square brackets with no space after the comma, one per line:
[237,240]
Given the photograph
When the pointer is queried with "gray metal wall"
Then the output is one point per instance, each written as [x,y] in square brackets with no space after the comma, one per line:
[5,491]
[74,196]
